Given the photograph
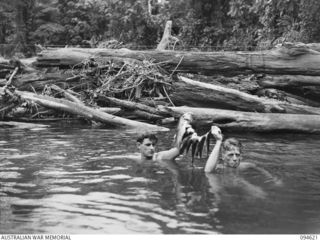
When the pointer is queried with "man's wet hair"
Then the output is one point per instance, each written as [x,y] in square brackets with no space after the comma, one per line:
[150,136]
[230,143]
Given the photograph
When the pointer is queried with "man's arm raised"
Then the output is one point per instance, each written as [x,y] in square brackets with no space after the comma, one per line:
[183,125]
[212,161]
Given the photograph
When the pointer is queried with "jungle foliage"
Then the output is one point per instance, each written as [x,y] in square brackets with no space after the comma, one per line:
[198,24]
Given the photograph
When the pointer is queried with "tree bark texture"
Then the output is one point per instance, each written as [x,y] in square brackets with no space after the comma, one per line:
[38,80]
[288,97]
[283,81]
[286,59]
[245,121]
[84,111]
[197,94]
[132,105]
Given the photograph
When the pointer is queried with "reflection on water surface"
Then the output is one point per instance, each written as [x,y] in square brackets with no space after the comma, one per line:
[72,180]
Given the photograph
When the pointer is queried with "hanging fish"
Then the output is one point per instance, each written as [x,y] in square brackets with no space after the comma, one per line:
[194,146]
[184,144]
[202,140]
[190,139]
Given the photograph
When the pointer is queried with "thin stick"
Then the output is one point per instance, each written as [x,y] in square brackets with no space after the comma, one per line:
[39,113]
[121,69]
[12,75]
[33,89]
[176,67]
[164,89]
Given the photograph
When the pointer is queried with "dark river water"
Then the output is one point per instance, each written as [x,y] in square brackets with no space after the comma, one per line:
[76,180]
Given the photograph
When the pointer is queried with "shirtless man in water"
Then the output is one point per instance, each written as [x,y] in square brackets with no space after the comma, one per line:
[146,144]
[231,152]
[225,154]
[231,148]
[231,157]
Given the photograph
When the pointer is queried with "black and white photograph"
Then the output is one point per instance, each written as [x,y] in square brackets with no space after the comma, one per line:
[159,117]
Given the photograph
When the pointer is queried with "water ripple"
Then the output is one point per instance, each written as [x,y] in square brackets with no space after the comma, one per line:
[86,178]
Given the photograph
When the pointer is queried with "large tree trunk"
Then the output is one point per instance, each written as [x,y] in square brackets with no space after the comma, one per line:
[197,94]
[287,59]
[257,122]
[296,89]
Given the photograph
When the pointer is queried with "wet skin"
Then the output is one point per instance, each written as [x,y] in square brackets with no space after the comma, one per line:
[147,148]
[232,157]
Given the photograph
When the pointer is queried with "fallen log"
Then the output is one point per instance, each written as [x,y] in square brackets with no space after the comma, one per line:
[21,125]
[283,81]
[154,102]
[255,82]
[314,46]
[136,110]
[38,80]
[310,94]
[285,59]
[295,89]
[288,97]
[67,94]
[109,110]
[197,94]
[246,121]
[139,114]
[132,106]
[84,111]
[26,65]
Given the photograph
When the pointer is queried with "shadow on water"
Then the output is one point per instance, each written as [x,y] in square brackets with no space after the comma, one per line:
[77,180]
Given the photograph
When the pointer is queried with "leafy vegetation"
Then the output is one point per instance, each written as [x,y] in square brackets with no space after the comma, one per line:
[200,24]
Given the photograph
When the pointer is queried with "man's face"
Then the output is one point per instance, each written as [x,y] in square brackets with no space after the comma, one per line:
[232,157]
[147,147]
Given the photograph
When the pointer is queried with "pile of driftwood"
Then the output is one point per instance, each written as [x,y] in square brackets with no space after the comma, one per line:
[273,90]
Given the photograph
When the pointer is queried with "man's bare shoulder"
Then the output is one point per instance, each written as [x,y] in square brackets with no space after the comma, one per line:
[132,156]
[246,165]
